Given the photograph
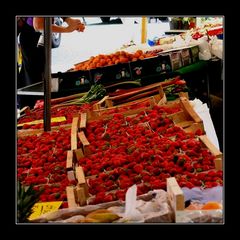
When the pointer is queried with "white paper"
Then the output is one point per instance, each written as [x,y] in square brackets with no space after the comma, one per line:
[204,49]
[203,111]
[131,213]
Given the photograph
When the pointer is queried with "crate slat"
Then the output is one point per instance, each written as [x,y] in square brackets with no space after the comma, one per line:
[81,197]
[78,153]
[179,117]
[194,127]
[175,194]
[218,164]
[183,94]
[97,105]
[84,142]
[184,124]
[189,110]
[205,140]
[83,120]
[83,194]
[69,164]
[71,197]
[74,130]
[80,175]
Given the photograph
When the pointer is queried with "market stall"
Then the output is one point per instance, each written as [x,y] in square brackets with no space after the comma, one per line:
[135,147]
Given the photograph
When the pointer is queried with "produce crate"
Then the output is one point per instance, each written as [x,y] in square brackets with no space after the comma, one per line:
[148,67]
[61,116]
[188,119]
[177,201]
[81,196]
[74,168]
[77,80]
[49,155]
[126,109]
[175,58]
[139,93]
[111,74]
[30,132]
[194,52]
[186,57]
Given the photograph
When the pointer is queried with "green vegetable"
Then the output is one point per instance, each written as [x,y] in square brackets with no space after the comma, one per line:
[96,92]
[26,198]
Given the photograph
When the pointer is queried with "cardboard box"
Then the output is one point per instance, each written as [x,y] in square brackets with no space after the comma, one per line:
[186,57]
[73,80]
[149,67]
[176,60]
[111,74]
[194,52]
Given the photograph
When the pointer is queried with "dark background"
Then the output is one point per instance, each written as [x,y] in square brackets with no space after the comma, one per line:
[8,97]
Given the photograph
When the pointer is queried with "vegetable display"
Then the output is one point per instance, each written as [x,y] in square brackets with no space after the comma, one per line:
[144,150]
[102,60]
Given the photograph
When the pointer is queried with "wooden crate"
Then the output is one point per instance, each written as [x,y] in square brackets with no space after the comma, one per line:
[105,107]
[187,119]
[174,191]
[30,132]
[138,95]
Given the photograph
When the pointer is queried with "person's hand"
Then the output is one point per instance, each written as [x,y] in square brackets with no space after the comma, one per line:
[81,27]
[74,24]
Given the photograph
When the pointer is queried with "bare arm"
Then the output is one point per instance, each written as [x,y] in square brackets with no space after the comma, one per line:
[73,24]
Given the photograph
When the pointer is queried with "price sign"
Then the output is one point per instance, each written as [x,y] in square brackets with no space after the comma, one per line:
[44,207]
[55,119]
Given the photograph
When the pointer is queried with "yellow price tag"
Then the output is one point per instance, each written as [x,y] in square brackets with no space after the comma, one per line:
[44,207]
[58,119]
[55,119]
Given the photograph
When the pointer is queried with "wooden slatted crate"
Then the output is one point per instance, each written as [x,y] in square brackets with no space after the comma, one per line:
[106,106]
[30,132]
[187,119]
